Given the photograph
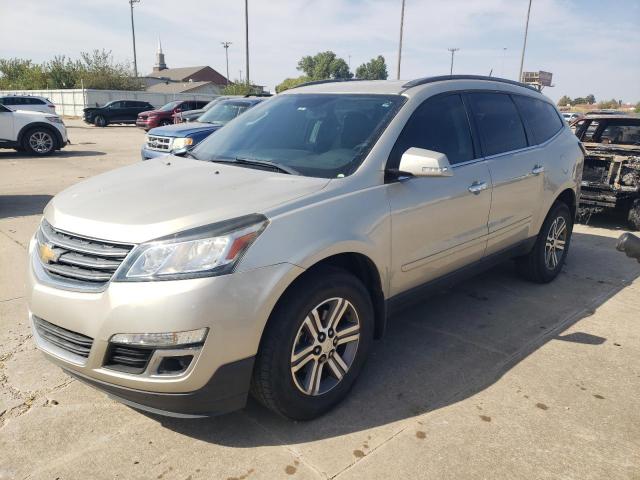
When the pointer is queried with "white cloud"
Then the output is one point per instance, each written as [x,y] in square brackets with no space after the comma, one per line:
[565,38]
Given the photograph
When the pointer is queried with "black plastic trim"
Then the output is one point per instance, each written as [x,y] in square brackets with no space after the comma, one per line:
[225,392]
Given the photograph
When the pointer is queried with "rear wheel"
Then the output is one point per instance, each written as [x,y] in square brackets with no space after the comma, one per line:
[39,141]
[547,257]
[314,346]
[634,215]
[100,121]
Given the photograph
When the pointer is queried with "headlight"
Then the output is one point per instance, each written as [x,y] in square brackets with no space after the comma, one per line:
[200,252]
[54,119]
[181,142]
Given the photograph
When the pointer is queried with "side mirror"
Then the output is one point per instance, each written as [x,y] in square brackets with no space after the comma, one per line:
[420,162]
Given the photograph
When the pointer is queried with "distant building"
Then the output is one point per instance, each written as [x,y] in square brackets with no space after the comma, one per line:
[201,79]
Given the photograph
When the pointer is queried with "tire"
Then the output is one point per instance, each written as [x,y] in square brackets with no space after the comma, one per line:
[545,260]
[100,121]
[164,123]
[40,141]
[289,334]
[634,215]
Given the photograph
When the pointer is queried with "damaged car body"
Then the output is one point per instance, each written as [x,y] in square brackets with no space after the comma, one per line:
[611,176]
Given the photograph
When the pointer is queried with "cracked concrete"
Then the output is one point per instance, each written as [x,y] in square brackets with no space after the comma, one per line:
[495,378]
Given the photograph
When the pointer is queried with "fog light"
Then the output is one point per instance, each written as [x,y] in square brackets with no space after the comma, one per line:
[174,365]
[169,339]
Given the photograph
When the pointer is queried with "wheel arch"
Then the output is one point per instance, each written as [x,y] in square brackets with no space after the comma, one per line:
[24,130]
[568,197]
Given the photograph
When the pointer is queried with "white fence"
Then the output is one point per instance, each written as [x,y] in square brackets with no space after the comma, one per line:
[70,102]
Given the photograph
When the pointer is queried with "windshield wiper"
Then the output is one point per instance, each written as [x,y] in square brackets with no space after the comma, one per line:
[265,163]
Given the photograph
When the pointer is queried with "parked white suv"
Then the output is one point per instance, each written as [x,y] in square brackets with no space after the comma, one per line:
[34,132]
[267,259]
[28,102]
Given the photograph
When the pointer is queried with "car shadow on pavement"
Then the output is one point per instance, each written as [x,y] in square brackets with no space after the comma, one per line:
[13,155]
[448,348]
[22,205]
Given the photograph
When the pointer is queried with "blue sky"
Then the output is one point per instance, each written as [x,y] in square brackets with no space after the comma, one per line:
[590,46]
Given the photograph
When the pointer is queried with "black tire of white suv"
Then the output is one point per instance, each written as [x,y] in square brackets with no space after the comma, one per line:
[40,141]
[548,255]
[337,356]
[100,121]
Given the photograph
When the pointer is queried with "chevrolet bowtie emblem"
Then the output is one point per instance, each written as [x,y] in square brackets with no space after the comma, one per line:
[48,254]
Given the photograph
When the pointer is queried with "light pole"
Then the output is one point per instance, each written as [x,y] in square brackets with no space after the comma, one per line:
[133,34]
[400,42]
[226,55]
[246,37]
[453,51]
[524,45]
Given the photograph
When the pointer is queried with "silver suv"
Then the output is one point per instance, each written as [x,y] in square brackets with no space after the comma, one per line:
[267,259]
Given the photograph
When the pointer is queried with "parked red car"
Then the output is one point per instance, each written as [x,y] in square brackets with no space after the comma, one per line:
[163,116]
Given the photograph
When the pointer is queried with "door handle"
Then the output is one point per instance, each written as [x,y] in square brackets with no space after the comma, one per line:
[537,170]
[476,187]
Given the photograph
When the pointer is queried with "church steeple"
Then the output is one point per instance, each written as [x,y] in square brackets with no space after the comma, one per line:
[160,65]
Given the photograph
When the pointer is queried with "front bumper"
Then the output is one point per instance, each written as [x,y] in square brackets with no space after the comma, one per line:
[234,307]
[147,154]
[146,124]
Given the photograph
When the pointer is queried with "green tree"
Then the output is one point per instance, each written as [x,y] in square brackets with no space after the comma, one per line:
[613,103]
[324,65]
[288,83]
[238,87]
[374,69]
[564,100]
[591,99]
[579,101]
[637,109]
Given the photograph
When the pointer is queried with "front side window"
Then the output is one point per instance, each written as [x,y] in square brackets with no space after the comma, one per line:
[169,106]
[541,118]
[317,135]
[619,133]
[439,124]
[116,105]
[498,122]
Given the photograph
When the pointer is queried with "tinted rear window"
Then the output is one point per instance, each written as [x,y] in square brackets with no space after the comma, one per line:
[498,122]
[541,118]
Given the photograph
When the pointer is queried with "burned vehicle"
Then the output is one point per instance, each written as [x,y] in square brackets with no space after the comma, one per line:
[611,176]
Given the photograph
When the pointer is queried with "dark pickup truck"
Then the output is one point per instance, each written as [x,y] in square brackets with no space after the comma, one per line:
[117,111]
[611,175]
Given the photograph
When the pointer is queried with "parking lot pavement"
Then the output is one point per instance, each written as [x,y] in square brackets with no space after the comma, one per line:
[494,378]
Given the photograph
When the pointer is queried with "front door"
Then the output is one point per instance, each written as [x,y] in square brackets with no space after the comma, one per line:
[6,125]
[439,224]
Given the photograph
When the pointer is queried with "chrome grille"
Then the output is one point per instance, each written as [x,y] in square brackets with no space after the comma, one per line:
[79,258]
[67,340]
[159,144]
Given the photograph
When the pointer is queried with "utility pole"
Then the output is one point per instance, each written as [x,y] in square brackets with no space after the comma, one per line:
[226,54]
[246,37]
[524,45]
[453,51]
[504,55]
[133,34]
[400,42]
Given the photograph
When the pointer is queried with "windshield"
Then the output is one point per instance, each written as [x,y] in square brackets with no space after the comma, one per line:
[223,112]
[317,135]
[169,106]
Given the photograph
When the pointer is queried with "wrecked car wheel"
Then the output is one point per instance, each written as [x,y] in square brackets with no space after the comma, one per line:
[545,260]
[634,215]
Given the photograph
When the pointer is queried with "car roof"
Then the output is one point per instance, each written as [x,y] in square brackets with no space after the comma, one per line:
[611,117]
[398,87]
[13,95]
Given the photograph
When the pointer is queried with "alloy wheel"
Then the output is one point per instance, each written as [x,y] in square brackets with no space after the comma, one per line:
[555,244]
[325,346]
[41,142]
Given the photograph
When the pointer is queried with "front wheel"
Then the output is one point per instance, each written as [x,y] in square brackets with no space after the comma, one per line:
[314,346]
[39,141]
[547,257]
[634,215]
[100,121]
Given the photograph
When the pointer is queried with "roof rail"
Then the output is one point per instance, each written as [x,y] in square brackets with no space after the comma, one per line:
[441,78]
[327,80]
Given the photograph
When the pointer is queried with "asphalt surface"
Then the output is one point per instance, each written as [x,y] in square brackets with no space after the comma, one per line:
[494,378]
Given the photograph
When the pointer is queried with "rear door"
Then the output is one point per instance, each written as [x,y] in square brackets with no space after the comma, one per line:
[117,111]
[517,171]
[7,133]
[439,224]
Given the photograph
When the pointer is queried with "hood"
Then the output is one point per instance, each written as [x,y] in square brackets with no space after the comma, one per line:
[184,129]
[146,113]
[33,113]
[166,195]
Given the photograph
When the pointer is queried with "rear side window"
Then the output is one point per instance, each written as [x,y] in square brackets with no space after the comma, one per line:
[541,118]
[498,122]
[34,101]
[439,124]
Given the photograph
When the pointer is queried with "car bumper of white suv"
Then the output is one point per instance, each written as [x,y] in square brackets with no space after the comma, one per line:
[75,329]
